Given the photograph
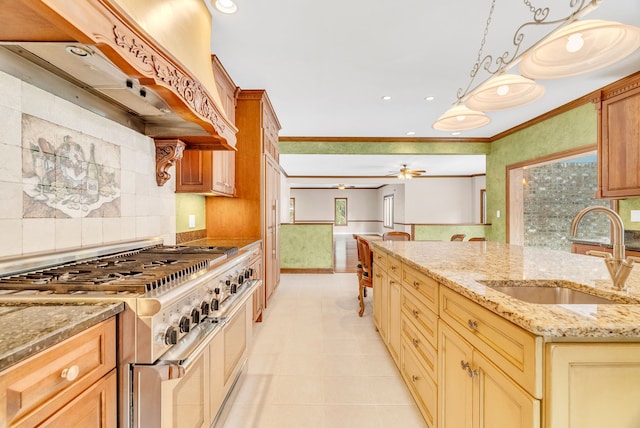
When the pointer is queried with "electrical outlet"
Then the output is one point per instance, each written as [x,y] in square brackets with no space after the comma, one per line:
[635,215]
[498,214]
[192,221]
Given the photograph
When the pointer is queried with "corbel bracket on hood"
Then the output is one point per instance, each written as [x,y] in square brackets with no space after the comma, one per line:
[156,44]
[168,152]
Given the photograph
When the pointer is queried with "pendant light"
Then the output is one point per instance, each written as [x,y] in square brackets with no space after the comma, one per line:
[580,47]
[503,92]
[459,118]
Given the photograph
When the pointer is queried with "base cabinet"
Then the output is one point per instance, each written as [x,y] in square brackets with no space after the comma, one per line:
[590,385]
[69,384]
[475,393]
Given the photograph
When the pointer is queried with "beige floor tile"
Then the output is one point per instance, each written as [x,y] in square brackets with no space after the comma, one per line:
[316,363]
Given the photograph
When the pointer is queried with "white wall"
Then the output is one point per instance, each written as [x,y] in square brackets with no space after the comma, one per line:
[317,205]
[440,200]
[145,209]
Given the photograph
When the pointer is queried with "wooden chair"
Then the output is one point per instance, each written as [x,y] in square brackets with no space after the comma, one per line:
[477,239]
[366,280]
[396,236]
[458,237]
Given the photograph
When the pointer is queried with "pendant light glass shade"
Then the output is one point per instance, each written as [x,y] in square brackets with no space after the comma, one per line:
[460,118]
[580,47]
[503,92]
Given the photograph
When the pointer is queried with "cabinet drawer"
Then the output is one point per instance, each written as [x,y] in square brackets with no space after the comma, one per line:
[394,267]
[422,387]
[37,387]
[426,353]
[425,320]
[426,289]
[380,260]
[517,352]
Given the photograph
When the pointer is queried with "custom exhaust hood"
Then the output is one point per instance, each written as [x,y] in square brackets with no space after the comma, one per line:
[145,63]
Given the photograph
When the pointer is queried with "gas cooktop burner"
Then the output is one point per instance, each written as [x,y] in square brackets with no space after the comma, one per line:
[137,271]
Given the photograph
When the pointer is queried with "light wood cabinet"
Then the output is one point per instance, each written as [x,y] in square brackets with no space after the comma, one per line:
[619,139]
[206,172]
[380,299]
[255,211]
[473,392]
[395,329]
[578,248]
[78,373]
[592,385]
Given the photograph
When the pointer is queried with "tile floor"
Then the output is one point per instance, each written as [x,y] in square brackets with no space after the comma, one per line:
[315,363]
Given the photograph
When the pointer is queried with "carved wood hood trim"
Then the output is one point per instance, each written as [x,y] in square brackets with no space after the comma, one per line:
[167,153]
[179,73]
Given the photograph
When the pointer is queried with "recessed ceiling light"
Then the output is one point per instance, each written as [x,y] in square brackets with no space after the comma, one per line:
[429,98]
[386,98]
[411,133]
[225,6]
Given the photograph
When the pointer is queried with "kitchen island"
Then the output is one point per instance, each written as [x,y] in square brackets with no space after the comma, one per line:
[473,355]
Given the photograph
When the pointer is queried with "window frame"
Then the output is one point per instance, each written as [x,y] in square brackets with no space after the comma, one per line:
[387,211]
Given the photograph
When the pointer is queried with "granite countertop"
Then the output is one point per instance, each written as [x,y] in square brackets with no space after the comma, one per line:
[29,328]
[461,265]
[241,243]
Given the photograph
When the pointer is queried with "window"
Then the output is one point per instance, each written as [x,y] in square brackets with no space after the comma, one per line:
[387,213]
[340,212]
[292,210]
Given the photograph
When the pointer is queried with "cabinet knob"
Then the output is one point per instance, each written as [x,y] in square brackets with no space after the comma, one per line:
[415,378]
[415,342]
[70,373]
[415,313]
[416,284]
[472,324]
[464,365]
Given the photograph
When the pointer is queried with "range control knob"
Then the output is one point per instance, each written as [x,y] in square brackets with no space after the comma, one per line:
[170,335]
[215,304]
[234,288]
[240,279]
[247,273]
[184,324]
[195,316]
[228,282]
[204,308]
[216,290]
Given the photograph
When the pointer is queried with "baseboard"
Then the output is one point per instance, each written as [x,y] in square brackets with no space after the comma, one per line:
[304,270]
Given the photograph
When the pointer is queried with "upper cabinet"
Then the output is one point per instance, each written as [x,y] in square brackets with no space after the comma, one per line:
[212,172]
[619,139]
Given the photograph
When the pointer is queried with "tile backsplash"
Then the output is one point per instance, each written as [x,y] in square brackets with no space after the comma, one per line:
[71,178]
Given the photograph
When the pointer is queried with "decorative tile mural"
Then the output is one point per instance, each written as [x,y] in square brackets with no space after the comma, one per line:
[67,174]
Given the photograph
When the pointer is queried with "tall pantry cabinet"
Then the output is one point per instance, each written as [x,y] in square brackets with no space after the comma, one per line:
[254,212]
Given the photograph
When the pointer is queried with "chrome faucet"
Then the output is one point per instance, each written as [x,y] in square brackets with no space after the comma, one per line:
[618,266]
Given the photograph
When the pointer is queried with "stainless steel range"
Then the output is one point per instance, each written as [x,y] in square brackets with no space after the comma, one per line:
[178,300]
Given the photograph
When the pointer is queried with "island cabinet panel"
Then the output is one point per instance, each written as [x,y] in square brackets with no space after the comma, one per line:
[474,393]
[517,352]
[38,388]
[619,140]
[421,385]
[380,299]
[423,287]
[592,385]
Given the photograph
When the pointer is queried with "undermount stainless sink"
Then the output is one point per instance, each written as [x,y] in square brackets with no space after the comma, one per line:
[546,292]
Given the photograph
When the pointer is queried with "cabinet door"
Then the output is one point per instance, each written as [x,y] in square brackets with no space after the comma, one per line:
[455,388]
[272,226]
[619,145]
[394,302]
[94,408]
[193,172]
[383,295]
[498,401]
[591,385]
[224,180]
[379,279]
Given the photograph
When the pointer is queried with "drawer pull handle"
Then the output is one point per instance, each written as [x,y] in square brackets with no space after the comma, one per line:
[415,313]
[415,378]
[472,373]
[415,342]
[472,324]
[71,373]
[464,365]
[416,284]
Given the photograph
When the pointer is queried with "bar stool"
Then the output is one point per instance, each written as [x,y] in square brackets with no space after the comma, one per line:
[396,236]
[458,237]
[366,280]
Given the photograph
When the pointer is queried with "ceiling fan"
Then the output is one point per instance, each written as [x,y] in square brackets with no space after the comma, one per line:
[405,173]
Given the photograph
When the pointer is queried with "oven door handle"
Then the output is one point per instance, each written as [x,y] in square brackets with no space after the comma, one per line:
[177,361]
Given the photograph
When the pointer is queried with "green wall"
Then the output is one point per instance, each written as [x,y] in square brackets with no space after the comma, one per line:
[575,128]
[443,232]
[383,148]
[306,246]
[187,204]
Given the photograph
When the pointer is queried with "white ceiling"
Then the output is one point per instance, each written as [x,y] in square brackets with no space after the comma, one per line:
[326,65]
